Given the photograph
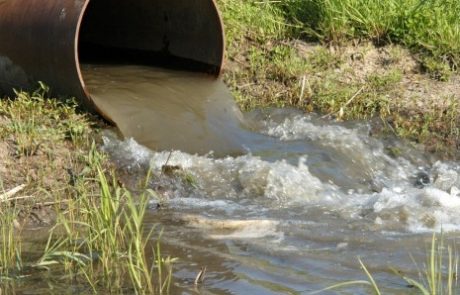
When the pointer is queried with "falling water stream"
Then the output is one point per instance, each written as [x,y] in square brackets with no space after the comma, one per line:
[274,201]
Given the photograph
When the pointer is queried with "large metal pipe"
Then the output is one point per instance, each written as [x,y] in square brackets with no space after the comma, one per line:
[47,40]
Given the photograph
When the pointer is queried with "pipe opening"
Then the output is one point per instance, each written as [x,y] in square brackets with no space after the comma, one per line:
[132,58]
[177,34]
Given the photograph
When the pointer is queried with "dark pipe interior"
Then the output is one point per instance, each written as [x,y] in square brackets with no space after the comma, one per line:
[178,34]
[99,54]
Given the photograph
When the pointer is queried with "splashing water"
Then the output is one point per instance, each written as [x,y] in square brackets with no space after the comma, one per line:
[164,109]
[386,193]
[295,192]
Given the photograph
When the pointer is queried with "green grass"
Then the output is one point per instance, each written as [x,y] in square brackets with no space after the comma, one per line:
[441,269]
[35,122]
[430,28]
[438,277]
[246,20]
[99,241]
[10,244]
[437,127]
[273,62]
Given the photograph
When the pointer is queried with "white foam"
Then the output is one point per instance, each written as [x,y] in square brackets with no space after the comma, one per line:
[250,184]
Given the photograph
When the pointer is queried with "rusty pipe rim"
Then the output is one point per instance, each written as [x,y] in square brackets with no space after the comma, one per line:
[77,56]
[223,36]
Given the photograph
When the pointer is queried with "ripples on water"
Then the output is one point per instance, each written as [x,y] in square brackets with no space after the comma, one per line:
[299,199]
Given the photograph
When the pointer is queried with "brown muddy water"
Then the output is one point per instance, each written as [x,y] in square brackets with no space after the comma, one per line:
[287,202]
[164,109]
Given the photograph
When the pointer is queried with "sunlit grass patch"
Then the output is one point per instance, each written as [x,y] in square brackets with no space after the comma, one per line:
[260,21]
[43,142]
[33,121]
[100,239]
[430,27]
[437,127]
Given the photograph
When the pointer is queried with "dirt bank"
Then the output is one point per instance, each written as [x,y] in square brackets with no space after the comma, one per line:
[355,81]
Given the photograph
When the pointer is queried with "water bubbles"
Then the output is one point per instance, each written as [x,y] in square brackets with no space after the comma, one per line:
[355,183]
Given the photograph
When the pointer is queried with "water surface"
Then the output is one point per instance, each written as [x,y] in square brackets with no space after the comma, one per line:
[287,202]
[164,109]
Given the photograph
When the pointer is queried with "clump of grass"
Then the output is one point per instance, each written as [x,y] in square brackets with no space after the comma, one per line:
[10,244]
[44,142]
[437,127]
[35,122]
[430,27]
[438,278]
[247,19]
[435,281]
[369,282]
[324,60]
[277,62]
[437,69]
[101,240]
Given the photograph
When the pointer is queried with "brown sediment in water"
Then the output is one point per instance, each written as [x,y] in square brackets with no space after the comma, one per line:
[165,109]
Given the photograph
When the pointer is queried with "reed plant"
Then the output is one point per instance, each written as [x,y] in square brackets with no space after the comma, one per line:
[10,243]
[439,275]
[101,239]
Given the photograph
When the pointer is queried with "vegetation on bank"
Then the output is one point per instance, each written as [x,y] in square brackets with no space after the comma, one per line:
[52,175]
[353,59]
[429,27]
[42,142]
